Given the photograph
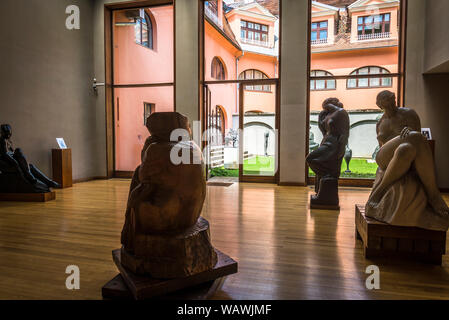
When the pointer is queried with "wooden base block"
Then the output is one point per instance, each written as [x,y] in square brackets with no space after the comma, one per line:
[142,287]
[28,197]
[384,240]
[116,289]
[324,207]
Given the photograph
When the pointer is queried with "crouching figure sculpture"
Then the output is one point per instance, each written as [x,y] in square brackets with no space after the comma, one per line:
[405,191]
[326,160]
[164,236]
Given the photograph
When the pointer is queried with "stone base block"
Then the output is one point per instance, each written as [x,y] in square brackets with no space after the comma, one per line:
[172,256]
[327,195]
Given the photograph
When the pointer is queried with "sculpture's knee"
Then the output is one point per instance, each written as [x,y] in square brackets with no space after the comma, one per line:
[406,151]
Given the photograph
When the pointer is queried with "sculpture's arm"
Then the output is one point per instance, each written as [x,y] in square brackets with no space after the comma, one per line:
[141,193]
[5,155]
[413,121]
[333,130]
[381,143]
[321,123]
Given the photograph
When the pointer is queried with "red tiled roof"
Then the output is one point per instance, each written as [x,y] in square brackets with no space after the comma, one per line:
[337,3]
[270,5]
[228,31]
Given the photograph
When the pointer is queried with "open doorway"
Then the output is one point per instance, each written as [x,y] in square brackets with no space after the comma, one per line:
[240,98]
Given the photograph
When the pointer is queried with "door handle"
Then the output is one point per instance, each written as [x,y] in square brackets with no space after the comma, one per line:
[96,84]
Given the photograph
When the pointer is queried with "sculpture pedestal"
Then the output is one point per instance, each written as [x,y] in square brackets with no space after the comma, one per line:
[172,256]
[142,287]
[384,240]
[62,167]
[116,289]
[323,207]
[327,196]
[28,197]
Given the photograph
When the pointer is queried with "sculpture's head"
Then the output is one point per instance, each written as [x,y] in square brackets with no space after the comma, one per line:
[6,131]
[162,124]
[386,100]
[330,104]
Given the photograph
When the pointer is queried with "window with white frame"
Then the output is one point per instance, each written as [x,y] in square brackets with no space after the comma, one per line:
[363,83]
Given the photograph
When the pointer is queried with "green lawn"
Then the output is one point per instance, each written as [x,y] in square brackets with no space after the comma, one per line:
[259,165]
[360,168]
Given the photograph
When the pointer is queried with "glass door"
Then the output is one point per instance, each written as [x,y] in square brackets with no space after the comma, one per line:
[143,77]
[259,131]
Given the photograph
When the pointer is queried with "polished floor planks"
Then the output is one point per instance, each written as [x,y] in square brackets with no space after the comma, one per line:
[284,250]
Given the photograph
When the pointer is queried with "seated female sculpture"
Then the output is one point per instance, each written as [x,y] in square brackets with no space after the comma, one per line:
[17,176]
[326,160]
[405,192]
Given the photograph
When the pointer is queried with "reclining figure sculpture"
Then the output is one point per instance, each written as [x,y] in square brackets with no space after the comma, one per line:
[16,175]
[405,191]
[326,160]
[164,236]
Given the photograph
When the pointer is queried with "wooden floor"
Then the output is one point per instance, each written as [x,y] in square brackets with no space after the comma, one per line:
[284,250]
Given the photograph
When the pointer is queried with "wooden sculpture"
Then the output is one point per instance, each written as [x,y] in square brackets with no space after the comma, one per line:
[165,243]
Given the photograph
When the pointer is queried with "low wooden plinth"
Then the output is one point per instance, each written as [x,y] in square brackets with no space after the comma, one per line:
[116,289]
[324,207]
[28,197]
[384,240]
[142,287]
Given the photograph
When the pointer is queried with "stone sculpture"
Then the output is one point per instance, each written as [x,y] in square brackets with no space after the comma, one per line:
[326,160]
[16,175]
[348,158]
[312,144]
[164,236]
[405,191]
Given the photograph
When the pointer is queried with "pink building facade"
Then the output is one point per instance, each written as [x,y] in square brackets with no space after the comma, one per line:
[242,42]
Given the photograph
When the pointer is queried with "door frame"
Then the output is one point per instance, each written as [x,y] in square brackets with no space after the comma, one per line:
[255,178]
[400,75]
[202,82]
[110,106]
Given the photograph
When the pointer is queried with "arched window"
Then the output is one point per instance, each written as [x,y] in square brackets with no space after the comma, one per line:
[253,74]
[316,85]
[144,30]
[217,126]
[218,70]
[363,83]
